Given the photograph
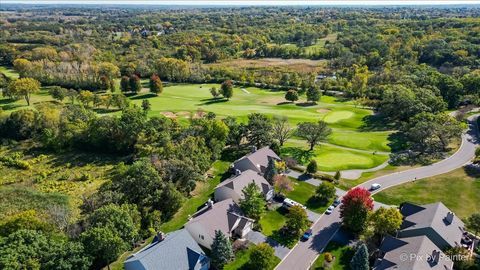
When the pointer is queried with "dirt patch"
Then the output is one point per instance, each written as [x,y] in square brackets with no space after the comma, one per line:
[199,115]
[169,114]
[183,113]
[323,110]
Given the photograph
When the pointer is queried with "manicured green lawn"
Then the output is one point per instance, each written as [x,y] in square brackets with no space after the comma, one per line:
[343,255]
[8,105]
[272,221]
[457,190]
[302,193]
[242,258]
[330,158]
[373,141]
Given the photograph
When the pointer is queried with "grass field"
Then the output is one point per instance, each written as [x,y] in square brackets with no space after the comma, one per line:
[242,258]
[343,254]
[302,193]
[320,44]
[272,221]
[331,158]
[9,72]
[457,190]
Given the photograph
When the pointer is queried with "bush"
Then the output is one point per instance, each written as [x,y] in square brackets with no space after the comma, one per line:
[312,167]
[328,257]
[15,162]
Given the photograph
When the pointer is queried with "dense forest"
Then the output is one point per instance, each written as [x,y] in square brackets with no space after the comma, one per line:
[410,65]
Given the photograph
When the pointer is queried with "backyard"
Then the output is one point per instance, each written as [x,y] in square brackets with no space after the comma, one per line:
[342,253]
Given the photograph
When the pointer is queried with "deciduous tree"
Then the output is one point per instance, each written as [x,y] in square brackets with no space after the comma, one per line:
[226,89]
[291,96]
[262,257]
[314,133]
[385,220]
[297,221]
[24,87]
[355,207]
[281,129]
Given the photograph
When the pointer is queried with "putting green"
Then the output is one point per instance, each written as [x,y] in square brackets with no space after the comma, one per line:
[333,117]
[330,158]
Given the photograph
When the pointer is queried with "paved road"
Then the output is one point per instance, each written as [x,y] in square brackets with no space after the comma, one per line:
[305,253]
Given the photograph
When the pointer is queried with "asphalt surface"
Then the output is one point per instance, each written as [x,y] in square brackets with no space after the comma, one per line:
[303,255]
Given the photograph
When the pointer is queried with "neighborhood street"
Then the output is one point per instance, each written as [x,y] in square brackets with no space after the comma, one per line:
[304,254]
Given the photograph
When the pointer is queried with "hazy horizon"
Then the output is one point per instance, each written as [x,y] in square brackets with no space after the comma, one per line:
[244,2]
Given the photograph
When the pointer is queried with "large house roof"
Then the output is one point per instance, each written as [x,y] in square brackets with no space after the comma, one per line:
[260,157]
[224,216]
[412,253]
[238,182]
[178,251]
[436,216]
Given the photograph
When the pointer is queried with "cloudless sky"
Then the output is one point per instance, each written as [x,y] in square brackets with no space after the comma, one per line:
[245,2]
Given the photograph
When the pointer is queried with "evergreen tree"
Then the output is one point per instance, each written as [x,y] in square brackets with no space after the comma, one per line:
[312,167]
[360,259]
[222,251]
[270,171]
[146,105]
[313,94]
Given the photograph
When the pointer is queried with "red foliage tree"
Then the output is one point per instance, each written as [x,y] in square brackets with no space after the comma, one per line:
[355,207]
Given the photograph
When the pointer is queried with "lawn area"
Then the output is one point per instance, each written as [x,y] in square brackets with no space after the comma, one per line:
[302,192]
[343,255]
[242,257]
[199,196]
[331,158]
[273,221]
[8,105]
[9,72]
[347,184]
[457,190]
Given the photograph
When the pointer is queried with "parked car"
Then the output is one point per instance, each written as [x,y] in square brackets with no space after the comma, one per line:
[307,235]
[329,210]
[375,186]
[287,203]
[336,202]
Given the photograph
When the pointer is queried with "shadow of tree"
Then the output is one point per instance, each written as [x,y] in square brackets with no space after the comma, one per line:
[472,170]
[300,155]
[398,142]
[105,110]
[212,101]
[306,104]
[144,96]
[314,203]
[376,123]
[284,103]
[7,101]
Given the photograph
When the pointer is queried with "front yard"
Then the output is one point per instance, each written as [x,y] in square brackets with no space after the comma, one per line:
[242,258]
[273,221]
[342,254]
[302,193]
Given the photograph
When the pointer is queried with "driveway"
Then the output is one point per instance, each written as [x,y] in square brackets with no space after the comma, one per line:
[304,254]
[257,238]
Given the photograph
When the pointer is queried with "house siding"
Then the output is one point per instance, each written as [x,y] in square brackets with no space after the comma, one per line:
[197,231]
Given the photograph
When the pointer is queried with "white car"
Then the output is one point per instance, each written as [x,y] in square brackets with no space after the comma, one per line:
[329,209]
[375,186]
[287,203]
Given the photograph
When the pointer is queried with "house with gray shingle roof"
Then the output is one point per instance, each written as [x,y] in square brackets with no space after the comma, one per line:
[435,221]
[177,251]
[225,216]
[232,187]
[255,161]
[411,253]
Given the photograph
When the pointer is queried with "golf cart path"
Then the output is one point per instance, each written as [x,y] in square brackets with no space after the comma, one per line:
[303,255]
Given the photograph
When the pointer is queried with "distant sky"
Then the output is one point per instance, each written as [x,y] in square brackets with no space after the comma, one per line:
[245,2]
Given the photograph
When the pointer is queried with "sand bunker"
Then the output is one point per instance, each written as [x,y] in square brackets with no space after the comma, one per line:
[323,110]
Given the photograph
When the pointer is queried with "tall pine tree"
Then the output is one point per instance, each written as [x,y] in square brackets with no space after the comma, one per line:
[270,171]
[360,259]
[222,251]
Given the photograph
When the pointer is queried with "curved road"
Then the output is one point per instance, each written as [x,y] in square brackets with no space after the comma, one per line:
[305,253]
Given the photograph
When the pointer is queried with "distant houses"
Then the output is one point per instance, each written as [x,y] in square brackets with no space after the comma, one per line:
[175,251]
[426,232]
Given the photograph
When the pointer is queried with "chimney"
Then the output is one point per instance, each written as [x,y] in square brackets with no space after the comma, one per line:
[237,172]
[160,236]
[254,149]
[209,204]
[449,218]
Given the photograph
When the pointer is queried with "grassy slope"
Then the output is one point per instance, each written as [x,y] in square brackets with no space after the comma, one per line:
[9,72]
[457,190]
[343,255]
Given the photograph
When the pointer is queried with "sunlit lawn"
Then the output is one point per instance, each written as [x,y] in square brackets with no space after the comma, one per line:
[457,190]
[242,258]
[343,254]
[272,221]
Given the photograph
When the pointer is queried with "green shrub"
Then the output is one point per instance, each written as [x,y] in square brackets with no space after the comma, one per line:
[328,257]
[14,161]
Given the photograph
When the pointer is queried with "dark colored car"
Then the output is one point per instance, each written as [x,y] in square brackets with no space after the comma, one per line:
[307,235]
